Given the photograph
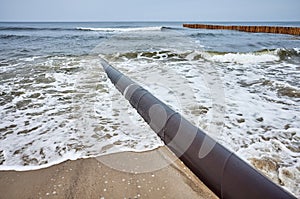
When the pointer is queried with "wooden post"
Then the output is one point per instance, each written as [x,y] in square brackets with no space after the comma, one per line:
[254,29]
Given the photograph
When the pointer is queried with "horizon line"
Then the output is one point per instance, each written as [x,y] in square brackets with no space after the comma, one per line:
[146,21]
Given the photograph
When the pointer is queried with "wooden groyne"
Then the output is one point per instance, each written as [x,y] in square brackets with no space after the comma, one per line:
[254,29]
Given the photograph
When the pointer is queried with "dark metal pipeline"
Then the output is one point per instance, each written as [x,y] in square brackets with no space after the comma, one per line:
[221,170]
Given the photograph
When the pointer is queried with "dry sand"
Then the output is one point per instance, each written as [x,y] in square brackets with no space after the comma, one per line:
[152,174]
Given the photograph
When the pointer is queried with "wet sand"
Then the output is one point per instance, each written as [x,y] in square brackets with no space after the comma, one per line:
[152,174]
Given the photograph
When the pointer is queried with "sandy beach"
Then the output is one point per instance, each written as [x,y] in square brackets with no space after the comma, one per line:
[57,103]
[152,174]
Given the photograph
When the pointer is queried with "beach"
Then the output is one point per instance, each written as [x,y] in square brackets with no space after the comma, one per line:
[58,107]
[93,178]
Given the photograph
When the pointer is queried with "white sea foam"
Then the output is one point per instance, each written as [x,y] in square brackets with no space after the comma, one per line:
[137,29]
[80,114]
[243,58]
[66,108]
[16,166]
[71,112]
[29,59]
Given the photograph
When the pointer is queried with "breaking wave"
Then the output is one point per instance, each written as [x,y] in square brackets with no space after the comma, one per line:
[106,29]
[120,29]
[262,56]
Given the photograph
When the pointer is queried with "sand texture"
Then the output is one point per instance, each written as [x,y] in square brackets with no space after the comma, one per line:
[152,174]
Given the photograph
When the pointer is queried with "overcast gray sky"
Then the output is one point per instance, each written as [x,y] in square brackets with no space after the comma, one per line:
[149,10]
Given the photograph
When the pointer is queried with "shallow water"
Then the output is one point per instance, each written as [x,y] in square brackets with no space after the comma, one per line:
[56,102]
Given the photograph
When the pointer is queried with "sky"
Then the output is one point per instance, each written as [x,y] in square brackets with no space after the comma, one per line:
[149,10]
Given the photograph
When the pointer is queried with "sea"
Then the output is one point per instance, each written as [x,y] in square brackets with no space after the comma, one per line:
[57,104]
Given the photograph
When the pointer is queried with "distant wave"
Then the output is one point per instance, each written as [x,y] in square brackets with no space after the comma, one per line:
[32,29]
[121,29]
[171,28]
[206,34]
[115,29]
[13,36]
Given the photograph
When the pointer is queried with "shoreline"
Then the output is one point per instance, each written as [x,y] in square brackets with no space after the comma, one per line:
[122,175]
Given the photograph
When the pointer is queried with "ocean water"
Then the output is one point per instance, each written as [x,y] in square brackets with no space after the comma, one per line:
[56,102]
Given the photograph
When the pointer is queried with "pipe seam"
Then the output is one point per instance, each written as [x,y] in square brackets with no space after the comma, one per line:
[223,171]
[167,121]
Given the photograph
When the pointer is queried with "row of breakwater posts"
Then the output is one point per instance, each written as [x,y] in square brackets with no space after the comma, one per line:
[222,171]
[253,29]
